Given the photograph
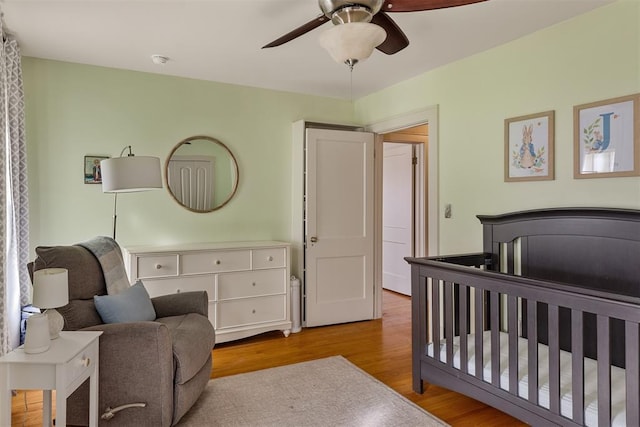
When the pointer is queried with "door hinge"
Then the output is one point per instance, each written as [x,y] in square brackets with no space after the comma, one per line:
[414,160]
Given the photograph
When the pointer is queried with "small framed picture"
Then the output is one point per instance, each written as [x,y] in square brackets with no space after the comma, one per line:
[606,138]
[528,147]
[92,171]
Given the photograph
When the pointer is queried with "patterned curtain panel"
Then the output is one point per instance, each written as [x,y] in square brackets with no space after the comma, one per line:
[14,203]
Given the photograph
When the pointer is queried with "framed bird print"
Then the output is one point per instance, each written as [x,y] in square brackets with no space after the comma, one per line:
[528,147]
[606,138]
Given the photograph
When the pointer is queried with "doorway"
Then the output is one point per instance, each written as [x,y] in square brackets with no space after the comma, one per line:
[427,240]
[403,196]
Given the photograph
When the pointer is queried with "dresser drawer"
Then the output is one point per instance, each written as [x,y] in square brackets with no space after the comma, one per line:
[251,283]
[82,363]
[157,266]
[268,258]
[216,261]
[251,311]
[158,287]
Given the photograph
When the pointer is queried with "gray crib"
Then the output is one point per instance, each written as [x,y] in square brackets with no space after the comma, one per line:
[544,324]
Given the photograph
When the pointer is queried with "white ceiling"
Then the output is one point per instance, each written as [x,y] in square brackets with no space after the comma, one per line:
[220,40]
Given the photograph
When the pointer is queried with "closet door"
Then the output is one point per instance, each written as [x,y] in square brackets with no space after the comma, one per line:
[397,216]
[339,283]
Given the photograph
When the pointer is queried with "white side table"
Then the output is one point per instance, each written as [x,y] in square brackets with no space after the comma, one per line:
[71,359]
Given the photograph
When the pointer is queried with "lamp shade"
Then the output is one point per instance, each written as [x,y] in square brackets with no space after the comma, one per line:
[131,173]
[51,287]
[353,41]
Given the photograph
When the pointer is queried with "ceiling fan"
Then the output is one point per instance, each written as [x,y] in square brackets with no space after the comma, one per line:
[373,11]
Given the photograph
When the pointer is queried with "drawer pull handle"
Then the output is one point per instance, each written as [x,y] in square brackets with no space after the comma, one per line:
[178,290]
[218,262]
[86,362]
[253,284]
[269,258]
[158,266]
[253,311]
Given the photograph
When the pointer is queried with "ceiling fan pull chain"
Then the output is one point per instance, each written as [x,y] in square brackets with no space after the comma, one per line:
[350,64]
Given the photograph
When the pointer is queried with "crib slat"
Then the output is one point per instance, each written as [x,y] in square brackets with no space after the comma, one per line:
[604,372]
[435,320]
[495,338]
[554,359]
[448,321]
[512,316]
[532,350]
[577,366]
[510,258]
[632,369]
[464,329]
[479,331]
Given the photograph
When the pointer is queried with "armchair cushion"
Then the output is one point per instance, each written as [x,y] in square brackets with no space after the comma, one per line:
[181,303]
[85,274]
[79,314]
[85,281]
[130,305]
[192,339]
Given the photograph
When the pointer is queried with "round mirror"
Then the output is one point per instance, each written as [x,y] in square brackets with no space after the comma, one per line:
[201,174]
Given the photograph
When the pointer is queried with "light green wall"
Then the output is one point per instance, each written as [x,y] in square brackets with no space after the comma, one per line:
[76,110]
[593,57]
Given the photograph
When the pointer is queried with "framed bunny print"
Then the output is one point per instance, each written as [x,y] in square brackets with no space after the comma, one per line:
[528,147]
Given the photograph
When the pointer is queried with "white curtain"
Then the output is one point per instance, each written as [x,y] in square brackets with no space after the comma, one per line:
[14,202]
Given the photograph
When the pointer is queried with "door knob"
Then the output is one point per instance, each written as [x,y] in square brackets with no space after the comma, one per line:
[313,239]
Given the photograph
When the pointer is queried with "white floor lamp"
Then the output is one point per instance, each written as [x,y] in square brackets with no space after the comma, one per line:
[129,174]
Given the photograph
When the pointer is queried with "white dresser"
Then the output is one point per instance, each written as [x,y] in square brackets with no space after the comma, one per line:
[247,282]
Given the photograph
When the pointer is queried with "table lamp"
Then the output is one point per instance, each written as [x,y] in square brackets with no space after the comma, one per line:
[50,291]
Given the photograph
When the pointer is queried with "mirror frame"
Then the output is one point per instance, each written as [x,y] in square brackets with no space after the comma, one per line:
[235,166]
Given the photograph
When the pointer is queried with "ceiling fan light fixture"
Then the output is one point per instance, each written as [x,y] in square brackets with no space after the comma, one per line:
[352,42]
[351,14]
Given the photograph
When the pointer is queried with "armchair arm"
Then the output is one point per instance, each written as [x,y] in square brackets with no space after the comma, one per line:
[135,366]
[181,303]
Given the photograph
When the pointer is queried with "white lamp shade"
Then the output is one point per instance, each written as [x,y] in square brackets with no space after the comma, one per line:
[352,41]
[51,287]
[131,173]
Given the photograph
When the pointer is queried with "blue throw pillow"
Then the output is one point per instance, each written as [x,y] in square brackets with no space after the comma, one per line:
[131,305]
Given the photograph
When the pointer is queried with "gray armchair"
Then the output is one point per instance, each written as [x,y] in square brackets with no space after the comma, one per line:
[164,364]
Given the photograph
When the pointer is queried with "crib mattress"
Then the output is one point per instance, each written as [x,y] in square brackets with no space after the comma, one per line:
[618,396]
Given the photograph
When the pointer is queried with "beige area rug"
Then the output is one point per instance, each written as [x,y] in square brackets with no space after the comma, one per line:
[323,392]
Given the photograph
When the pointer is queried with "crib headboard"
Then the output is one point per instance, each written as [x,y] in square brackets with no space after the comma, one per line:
[597,248]
[594,248]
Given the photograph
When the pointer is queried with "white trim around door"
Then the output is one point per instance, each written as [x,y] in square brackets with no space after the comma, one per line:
[429,116]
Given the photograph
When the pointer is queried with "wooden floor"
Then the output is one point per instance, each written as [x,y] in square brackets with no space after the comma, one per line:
[380,347]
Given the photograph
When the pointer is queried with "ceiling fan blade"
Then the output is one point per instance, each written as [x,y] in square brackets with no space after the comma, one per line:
[303,29]
[420,5]
[396,39]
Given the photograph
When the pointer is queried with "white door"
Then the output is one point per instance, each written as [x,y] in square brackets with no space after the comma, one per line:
[397,216]
[339,282]
[191,181]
